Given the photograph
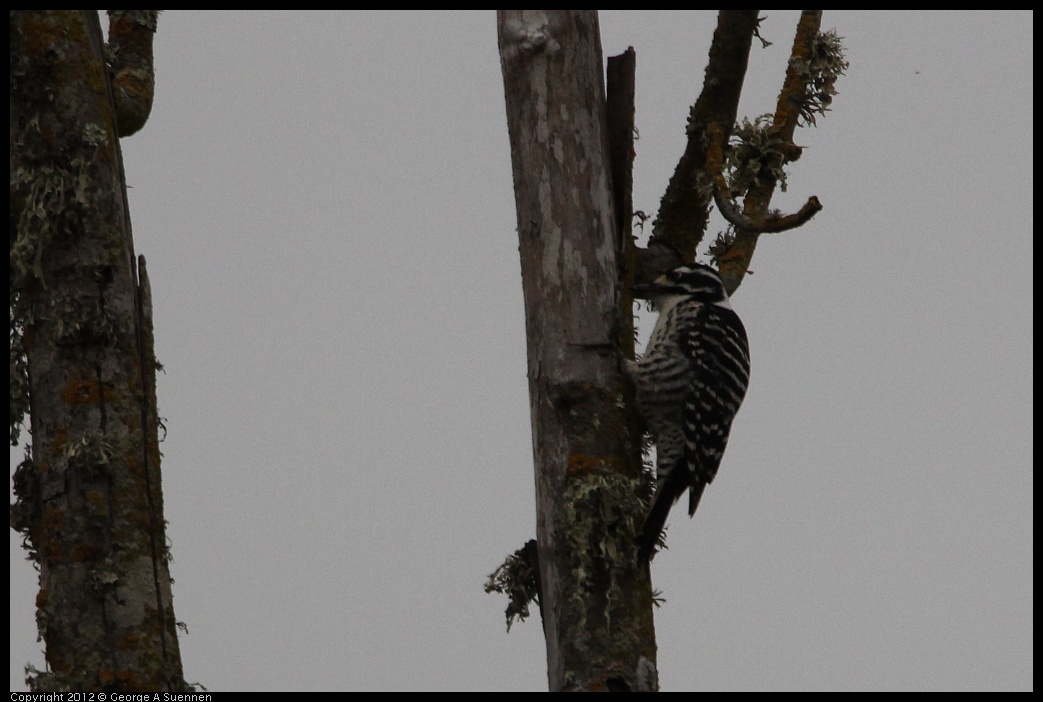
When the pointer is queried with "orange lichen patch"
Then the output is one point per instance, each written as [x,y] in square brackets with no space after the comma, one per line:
[53,514]
[581,466]
[130,642]
[50,548]
[120,680]
[85,390]
[60,437]
[82,553]
[44,30]
[141,518]
[98,500]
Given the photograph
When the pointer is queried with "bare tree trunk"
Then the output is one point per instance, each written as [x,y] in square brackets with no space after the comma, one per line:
[595,600]
[89,498]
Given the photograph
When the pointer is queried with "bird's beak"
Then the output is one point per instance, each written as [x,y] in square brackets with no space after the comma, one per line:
[647,291]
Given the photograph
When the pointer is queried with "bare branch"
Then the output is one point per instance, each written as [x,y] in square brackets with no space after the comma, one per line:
[773,222]
[129,54]
[681,223]
[620,102]
[815,62]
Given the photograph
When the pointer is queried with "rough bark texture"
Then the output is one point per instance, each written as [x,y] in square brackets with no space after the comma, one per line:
[579,264]
[597,605]
[89,498]
[620,96]
[792,98]
[133,74]
[684,209]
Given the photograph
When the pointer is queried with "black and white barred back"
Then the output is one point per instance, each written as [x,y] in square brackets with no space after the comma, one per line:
[690,384]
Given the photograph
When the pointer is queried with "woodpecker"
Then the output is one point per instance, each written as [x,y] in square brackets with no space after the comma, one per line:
[690,383]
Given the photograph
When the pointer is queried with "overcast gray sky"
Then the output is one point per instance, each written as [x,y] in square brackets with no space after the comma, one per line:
[326,205]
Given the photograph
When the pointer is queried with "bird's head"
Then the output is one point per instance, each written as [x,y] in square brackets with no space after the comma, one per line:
[694,280]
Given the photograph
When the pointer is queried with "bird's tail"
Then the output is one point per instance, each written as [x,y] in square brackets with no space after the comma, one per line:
[669,492]
[694,493]
[648,539]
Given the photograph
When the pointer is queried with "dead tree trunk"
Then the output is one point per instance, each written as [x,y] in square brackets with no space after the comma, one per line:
[599,635]
[90,502]
[578,263]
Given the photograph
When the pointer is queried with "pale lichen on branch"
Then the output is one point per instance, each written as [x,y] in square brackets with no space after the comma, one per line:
[751,163]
